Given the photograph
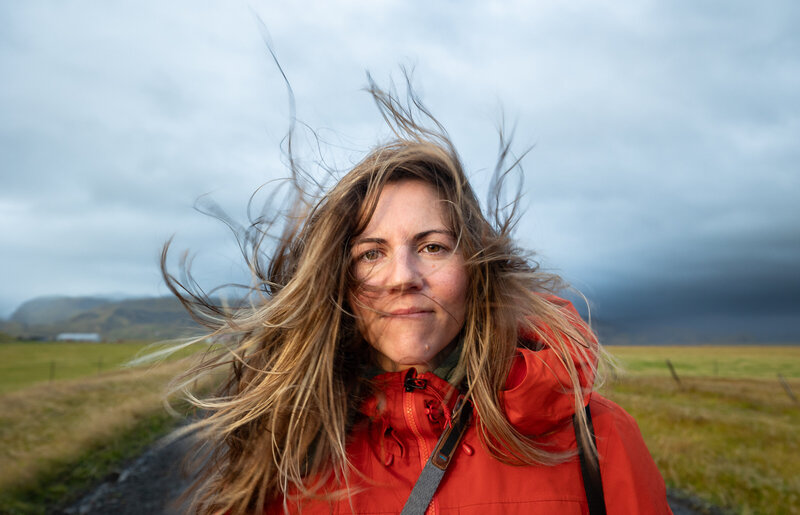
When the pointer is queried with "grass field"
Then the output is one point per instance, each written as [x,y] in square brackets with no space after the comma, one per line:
[737,361]
[29,363]
[728,432]
[58,437]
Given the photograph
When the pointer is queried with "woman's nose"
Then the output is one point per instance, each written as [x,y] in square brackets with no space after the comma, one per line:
[404,271]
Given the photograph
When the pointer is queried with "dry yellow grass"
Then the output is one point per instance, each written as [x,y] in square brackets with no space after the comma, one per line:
[56,422]
[736,361]
[727,435]
[732,442]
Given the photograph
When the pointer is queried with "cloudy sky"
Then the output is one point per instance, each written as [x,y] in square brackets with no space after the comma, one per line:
[663,181]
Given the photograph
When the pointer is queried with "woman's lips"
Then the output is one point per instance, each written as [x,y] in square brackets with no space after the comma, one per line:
[409,312]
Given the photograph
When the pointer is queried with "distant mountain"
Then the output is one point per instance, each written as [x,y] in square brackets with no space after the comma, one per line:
[49,310]
[717,329]
[132,319]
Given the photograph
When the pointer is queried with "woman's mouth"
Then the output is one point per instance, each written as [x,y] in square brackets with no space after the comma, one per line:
[409,312]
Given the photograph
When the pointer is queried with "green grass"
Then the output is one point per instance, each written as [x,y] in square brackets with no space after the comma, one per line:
[58,438]
[728,433]
[26,364]
[64,480]
[711,360]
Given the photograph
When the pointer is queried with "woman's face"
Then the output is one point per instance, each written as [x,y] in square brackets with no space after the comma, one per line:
[410,301]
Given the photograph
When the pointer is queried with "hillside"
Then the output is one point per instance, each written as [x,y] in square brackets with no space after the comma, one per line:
[7,338]
[49,310]
[133,319]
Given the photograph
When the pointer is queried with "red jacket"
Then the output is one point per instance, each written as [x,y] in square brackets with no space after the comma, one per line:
[390,446]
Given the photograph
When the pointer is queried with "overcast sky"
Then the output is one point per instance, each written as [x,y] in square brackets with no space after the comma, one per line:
[663,182]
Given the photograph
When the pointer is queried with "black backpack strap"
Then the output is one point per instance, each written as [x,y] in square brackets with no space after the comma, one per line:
[590,469]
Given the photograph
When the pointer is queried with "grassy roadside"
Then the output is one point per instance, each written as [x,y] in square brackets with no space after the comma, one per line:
[731,441]
[24,364]
[64,480]
[58,438]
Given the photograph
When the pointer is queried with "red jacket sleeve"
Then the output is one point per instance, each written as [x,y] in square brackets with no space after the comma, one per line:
[632,483]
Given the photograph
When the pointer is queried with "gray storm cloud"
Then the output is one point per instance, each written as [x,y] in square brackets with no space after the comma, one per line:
[662,183]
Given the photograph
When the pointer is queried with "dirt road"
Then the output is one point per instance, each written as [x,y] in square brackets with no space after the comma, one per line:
[149,485]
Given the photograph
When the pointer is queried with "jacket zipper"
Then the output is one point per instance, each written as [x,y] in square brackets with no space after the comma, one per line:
[412,383]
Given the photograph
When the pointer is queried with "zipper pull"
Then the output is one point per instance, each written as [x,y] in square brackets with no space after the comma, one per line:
[411,382]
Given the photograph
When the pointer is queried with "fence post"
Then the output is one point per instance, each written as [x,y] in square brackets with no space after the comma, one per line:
[674,373]
[100,365]
[787,388]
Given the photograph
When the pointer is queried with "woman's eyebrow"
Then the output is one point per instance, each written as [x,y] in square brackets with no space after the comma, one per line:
[425,234]
[419,236]
[360,241]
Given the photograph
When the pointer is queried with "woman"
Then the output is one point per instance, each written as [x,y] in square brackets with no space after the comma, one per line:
[390,312]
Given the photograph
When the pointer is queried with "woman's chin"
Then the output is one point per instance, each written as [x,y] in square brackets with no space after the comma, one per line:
[422,363]
[417,350]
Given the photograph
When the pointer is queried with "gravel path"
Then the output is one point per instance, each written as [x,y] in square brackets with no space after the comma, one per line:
[151,484]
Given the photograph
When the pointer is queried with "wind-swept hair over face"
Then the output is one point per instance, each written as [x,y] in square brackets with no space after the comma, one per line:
[295,358]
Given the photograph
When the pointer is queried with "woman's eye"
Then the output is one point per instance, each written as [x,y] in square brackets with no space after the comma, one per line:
[433,248]
[370,255]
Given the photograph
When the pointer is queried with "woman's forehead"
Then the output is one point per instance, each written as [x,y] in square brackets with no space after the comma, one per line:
[407,202]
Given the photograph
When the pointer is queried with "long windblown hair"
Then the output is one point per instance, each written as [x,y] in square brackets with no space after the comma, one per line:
[294,357]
